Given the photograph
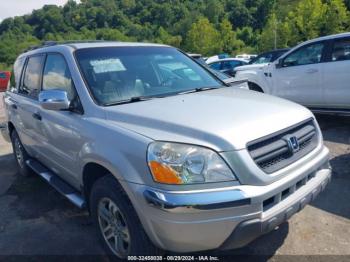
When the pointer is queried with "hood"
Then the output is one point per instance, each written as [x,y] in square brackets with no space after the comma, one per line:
[249,67]
[223,119]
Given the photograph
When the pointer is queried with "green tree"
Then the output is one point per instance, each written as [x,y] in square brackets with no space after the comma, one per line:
[347,3]
[165,38]
[110,34]
[336,17]
[228,37]
[203,38]
[307,19]
[248,35]
[276,34]
[214,11]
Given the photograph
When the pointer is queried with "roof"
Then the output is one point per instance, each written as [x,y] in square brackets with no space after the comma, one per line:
[347,34]
[79,45]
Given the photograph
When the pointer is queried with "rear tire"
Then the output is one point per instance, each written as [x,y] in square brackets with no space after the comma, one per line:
[20,154]
[117,222]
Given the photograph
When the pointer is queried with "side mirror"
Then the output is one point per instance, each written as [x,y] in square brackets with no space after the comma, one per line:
[279,63]
[54,99]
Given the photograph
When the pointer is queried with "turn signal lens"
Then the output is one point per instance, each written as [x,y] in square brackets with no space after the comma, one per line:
[164,174]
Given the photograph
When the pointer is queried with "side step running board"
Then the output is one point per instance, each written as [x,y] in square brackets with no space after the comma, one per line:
[56,182]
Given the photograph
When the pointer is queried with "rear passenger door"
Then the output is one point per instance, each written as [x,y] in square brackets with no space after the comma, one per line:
[336,74]
[26,106]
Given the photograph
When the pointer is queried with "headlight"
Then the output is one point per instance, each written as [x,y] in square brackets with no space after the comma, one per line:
[173,163]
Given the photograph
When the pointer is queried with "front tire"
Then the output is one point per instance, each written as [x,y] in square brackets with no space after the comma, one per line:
[116,221]
[20,154]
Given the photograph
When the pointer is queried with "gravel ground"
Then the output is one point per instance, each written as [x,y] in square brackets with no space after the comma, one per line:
[37,221]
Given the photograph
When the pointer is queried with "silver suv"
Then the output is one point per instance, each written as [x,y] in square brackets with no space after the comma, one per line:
[162,153]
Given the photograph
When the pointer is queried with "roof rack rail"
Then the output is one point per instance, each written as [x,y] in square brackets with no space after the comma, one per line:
[43,44]
[53,43]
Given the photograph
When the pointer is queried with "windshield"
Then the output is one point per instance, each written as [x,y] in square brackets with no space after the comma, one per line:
[262,59]
[268,57]
[116,74]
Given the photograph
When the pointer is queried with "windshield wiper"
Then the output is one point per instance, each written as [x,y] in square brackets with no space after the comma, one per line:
[131,100]
[198,89]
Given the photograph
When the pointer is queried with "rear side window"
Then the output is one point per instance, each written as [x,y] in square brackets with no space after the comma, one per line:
[16,74]
[32,76]
[57,75]
[341,50]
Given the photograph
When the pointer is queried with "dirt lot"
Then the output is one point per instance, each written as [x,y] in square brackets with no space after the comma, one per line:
[36,220]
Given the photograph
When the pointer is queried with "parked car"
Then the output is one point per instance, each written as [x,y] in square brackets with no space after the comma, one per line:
[216,57]
[4,80]
[161,152]
[268,57]
[224,77]
[261,60]
[246,57]
[227,65]
[314,73]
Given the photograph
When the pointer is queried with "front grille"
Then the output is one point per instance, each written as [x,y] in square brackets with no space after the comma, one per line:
[272,153]
[274,200]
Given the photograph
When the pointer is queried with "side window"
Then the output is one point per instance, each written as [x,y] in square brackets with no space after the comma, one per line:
[16,74]
[215,66]
[226,65]
[57,75]
[230,64]
[32,76]
[310,54]
[341,50]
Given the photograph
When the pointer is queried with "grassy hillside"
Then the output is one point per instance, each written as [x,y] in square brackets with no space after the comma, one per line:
[201,26]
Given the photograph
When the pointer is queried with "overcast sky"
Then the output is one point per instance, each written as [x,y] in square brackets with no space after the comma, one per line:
[10,8]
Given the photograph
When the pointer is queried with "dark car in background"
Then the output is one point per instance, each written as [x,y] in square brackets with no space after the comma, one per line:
[268,57]
[261,61]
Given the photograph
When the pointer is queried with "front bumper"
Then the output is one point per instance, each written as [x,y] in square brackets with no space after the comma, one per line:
[249,230]
[227,217]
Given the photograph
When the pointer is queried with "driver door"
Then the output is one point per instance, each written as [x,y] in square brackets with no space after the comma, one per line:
[299,78]
[60,131]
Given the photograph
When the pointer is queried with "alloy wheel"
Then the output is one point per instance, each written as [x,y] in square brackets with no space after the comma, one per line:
[113,227]
[19,153]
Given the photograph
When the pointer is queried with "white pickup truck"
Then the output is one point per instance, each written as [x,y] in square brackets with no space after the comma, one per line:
[314,74]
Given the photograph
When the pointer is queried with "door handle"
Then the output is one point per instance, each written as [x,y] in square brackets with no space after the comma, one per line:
[311,71]
[37,116]
[14,106]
